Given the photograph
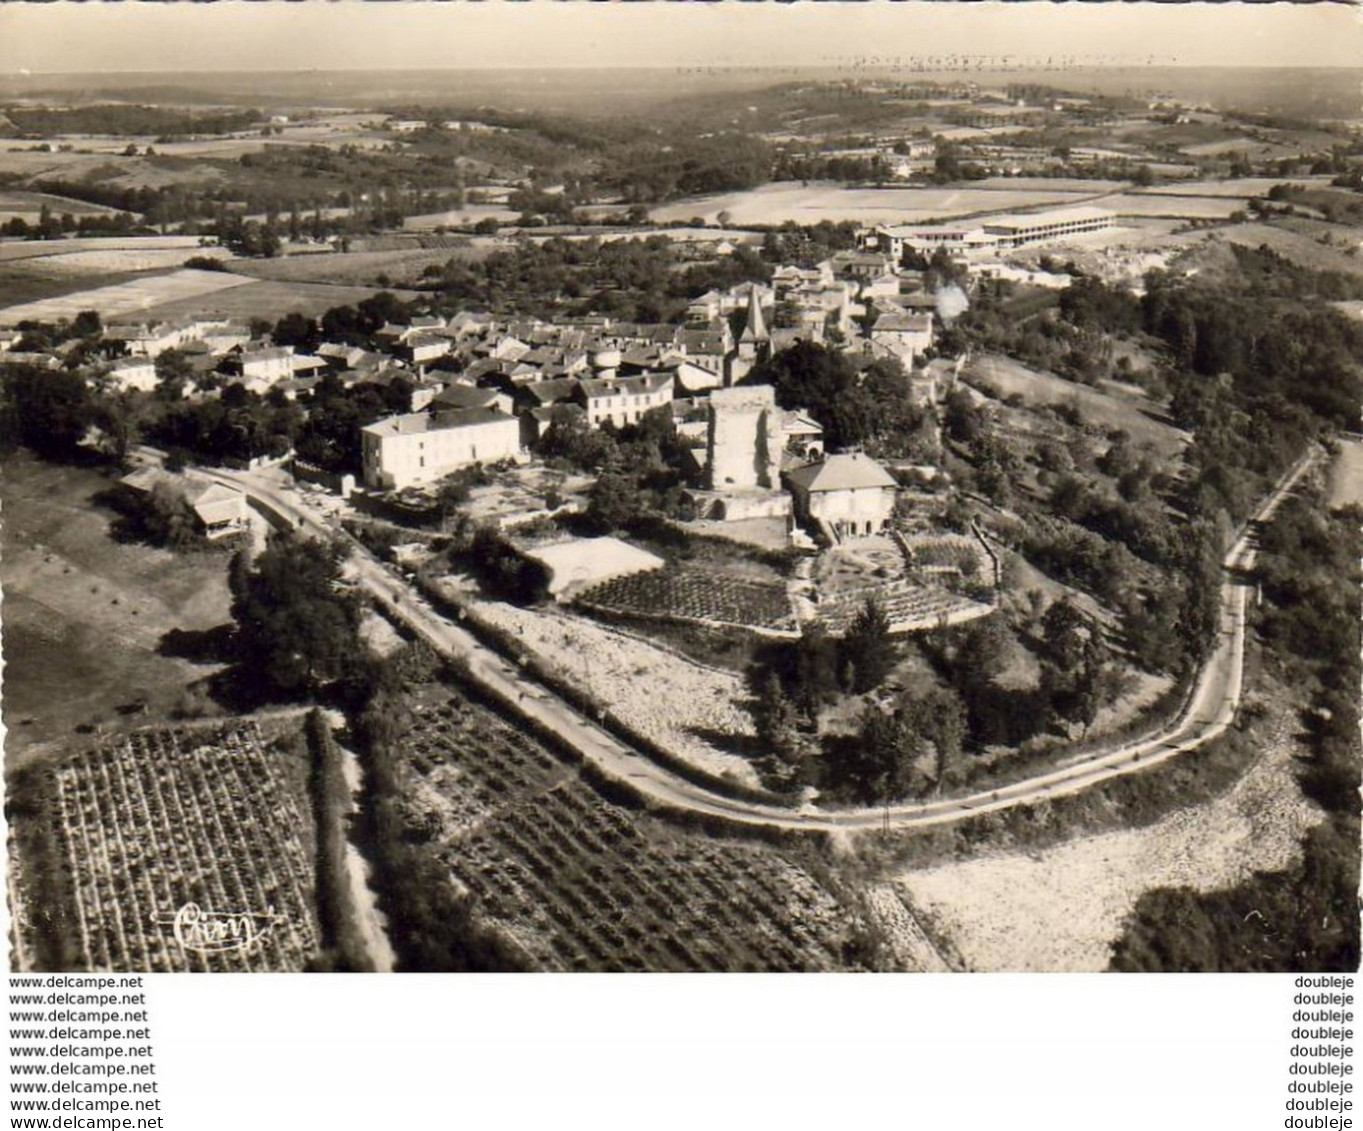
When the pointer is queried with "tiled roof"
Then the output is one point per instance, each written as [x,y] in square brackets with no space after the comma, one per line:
[841,473]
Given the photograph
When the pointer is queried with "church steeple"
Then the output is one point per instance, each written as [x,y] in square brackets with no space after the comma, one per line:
[754,329]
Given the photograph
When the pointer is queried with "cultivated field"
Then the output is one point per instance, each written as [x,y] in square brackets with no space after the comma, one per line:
[460,218]
[580,883]
[1130,413]
[910,607]
[586,561]
[161,819]
[1175,205]
[46,249]
[96,261]
[1061,909]
[351,267]
[141,297]
[777,203]
[689,596]
[84,615]
[28,206]
[693,710]
[27,280]
[109,167]
[1240,188]
[262,299]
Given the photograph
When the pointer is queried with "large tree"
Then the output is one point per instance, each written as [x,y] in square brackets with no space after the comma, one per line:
[297,629]
[47,410]
[868,652]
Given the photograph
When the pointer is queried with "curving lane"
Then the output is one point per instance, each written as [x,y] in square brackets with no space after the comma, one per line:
[1207,712]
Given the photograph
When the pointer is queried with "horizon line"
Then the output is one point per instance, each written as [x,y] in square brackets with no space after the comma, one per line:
[690,66]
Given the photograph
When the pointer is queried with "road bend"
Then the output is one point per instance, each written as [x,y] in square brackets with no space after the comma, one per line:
[1207,712]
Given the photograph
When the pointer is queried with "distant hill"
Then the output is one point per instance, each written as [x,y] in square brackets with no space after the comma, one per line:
[1315,92]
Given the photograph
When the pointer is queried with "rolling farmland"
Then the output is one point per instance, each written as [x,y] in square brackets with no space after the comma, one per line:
[28,206]
[138,297]
[581,883]
[262,299]
[786,200]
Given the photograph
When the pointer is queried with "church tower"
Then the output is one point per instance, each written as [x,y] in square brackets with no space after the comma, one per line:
[754,343]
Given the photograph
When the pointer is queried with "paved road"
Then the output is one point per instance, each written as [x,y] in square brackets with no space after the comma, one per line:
[1209,709]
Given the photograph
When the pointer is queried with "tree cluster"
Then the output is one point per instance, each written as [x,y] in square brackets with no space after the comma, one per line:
[297,626]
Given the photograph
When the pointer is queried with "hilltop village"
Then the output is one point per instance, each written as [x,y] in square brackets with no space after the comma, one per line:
[585,545]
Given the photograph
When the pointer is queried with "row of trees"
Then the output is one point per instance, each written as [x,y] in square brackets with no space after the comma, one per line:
[633,280]
[1304,917]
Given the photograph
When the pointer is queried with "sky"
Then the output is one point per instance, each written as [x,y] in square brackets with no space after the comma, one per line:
[234,35]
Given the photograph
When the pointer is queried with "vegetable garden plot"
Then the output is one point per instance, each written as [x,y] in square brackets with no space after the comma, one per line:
[161,819]
[694,597]
[910,607]
[583,884]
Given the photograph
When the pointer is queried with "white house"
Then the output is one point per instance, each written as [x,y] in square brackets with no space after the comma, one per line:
[623,400]
[422,348]
[260,369]
[419,447]
[133,373]
[849,496]
[906,335]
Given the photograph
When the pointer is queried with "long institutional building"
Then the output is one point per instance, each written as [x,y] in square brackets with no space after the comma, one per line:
[996,233]
[418,447]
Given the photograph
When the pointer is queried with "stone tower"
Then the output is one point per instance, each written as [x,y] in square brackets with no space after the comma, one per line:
[744,439]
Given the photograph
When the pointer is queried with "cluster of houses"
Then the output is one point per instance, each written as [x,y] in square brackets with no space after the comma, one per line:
[482,389]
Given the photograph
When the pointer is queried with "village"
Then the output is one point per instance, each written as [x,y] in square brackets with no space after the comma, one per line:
[903,524]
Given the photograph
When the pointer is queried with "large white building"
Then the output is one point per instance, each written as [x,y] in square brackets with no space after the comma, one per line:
[990,233]
[1039,227]
[848,496]
[401,451]
[623,400]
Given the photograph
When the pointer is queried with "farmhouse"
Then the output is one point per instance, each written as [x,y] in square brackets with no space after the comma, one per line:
[418,447]
[847,496]
[218,510]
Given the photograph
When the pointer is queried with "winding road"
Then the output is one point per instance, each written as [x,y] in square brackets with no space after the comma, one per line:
[1207,712]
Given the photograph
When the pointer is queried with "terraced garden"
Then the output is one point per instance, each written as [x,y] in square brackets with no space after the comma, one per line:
[163,818]
[695,597]
[581,883]
[910,607]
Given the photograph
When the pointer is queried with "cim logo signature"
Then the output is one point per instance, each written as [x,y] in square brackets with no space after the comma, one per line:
[218,932]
